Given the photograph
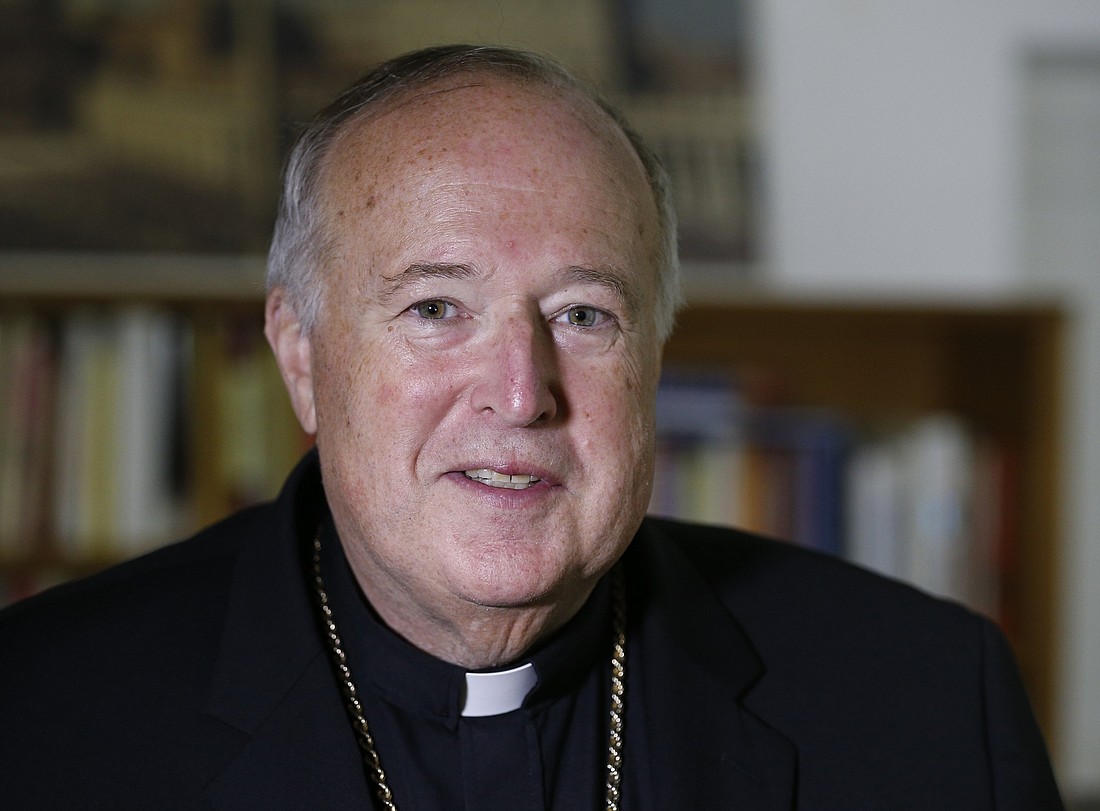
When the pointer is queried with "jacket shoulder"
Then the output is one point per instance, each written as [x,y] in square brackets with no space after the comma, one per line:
[113,669]
[758,575]
[919,685]
[158,613]
[182,565]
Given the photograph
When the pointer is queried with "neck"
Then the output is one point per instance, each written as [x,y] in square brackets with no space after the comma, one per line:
[446,622]
[469,635]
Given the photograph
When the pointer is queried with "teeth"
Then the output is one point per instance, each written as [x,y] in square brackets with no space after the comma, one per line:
[519,481]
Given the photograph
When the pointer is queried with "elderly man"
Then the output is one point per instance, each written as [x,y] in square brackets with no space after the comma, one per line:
[457,602]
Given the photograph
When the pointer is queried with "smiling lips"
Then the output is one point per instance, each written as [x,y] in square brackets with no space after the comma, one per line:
[517,481]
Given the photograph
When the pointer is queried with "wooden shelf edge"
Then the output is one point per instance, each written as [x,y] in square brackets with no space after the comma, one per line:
[130,277]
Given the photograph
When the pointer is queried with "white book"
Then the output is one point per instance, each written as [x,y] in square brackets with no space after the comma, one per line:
[874,507]
[80,334]
[144,499]
[938,480]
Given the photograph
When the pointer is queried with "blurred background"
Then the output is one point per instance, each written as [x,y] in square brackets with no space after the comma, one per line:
[923,177]
[144,125]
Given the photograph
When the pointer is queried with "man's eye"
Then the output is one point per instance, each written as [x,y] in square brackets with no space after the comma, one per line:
[584,316]
[434,309]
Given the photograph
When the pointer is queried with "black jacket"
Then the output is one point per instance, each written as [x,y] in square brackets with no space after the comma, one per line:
[770,678]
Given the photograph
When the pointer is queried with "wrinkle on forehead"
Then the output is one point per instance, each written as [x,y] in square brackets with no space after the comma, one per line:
[426,162]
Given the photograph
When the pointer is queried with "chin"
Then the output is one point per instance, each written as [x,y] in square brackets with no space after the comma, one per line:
[507,579]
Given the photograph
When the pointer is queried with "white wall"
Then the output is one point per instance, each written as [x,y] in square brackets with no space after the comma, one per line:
[1060,244]
[894,148]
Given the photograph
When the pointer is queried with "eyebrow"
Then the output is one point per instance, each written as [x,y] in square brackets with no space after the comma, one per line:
[419,271]
[607,278]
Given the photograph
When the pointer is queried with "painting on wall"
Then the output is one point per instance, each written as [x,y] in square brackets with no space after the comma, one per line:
[160,125]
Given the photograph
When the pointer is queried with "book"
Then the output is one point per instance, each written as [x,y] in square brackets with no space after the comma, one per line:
[150,364]
[920,498]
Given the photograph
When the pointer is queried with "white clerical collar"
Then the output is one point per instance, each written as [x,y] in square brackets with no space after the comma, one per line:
[498,693]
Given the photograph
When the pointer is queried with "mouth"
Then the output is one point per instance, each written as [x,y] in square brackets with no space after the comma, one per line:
[506,481]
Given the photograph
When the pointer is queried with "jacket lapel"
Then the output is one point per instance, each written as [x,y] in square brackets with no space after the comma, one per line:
[272,680]
[704,749]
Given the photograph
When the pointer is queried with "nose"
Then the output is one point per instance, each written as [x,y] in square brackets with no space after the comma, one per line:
[518,377]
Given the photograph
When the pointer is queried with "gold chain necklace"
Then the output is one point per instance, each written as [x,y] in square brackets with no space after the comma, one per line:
[373,763]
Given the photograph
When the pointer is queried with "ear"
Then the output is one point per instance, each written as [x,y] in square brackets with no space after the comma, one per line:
[293,355]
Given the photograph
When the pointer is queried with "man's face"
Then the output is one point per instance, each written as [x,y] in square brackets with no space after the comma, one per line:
[484,366]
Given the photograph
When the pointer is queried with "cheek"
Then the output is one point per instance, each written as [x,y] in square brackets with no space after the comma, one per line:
[350,392]
[392,404]
[615,406]
[371,376]
[347,384]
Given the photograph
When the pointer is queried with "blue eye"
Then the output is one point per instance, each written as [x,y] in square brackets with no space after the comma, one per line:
[584,316]
[433,309]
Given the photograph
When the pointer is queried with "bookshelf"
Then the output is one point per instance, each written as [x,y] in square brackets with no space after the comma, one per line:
[210,431]
[995,364]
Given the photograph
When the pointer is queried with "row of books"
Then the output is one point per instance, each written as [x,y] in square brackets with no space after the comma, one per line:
[926,499]
[122,428]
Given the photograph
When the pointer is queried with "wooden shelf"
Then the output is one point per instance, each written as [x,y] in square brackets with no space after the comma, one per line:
[999,366]
[60,279]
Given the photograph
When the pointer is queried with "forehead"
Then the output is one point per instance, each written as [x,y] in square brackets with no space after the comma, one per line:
[481,128]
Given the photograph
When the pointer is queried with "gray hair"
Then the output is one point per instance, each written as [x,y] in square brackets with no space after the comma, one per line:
[301,243]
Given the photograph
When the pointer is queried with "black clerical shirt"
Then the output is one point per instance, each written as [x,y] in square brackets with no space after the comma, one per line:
[550,753]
